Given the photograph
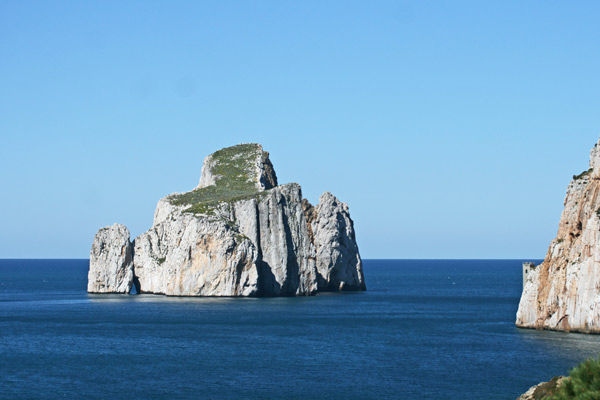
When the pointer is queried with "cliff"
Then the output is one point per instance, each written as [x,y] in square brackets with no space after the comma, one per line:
[563,293]
[238,233]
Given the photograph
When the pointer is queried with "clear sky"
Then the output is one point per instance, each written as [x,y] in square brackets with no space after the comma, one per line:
[451,128]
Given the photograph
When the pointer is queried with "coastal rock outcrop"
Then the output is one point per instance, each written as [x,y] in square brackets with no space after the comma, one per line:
[111,261]
[543,390]
[339,266]
[239,233]
[563,293]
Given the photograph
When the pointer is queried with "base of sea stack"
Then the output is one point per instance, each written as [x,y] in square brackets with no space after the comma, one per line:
[560,329]
[540,308]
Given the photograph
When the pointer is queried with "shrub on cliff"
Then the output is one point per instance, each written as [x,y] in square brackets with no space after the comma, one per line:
[582,383]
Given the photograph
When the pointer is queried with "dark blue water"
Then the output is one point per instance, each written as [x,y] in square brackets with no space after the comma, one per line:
[423,330]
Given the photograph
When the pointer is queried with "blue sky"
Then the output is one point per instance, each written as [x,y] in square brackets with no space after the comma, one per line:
[450,128]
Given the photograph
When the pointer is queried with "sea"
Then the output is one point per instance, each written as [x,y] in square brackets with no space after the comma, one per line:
[424,329]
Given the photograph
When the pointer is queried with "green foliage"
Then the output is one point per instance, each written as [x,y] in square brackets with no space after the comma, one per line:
[205,200]
[583,382]
[159,260]
[233,168]
[584,173]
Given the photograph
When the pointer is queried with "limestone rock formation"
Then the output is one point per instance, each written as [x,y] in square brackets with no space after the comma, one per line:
[186,256]
[239,233]
[111,262]
[339,266]
[543,390]
[563,293]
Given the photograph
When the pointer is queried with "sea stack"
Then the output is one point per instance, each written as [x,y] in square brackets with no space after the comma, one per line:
[563,293]
[238,233]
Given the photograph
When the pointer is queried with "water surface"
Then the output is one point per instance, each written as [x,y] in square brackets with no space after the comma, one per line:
[426,329]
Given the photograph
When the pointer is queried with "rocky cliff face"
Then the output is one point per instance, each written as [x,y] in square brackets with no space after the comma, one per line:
[240,234]
[339,266]
[563,293]
[111,261]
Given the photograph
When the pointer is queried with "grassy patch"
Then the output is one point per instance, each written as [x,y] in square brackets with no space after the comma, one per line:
[583,174]
[205,200]
[233,168]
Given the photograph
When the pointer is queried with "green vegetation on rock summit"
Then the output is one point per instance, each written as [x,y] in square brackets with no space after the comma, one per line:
[234,172]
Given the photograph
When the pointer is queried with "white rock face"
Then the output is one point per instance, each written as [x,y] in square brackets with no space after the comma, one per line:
[595,160]
[287,255]
[239,234]
[111,264]
[563,293]
[339,265]
[189,256]
[164,210]
[222,254]
[207,178]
